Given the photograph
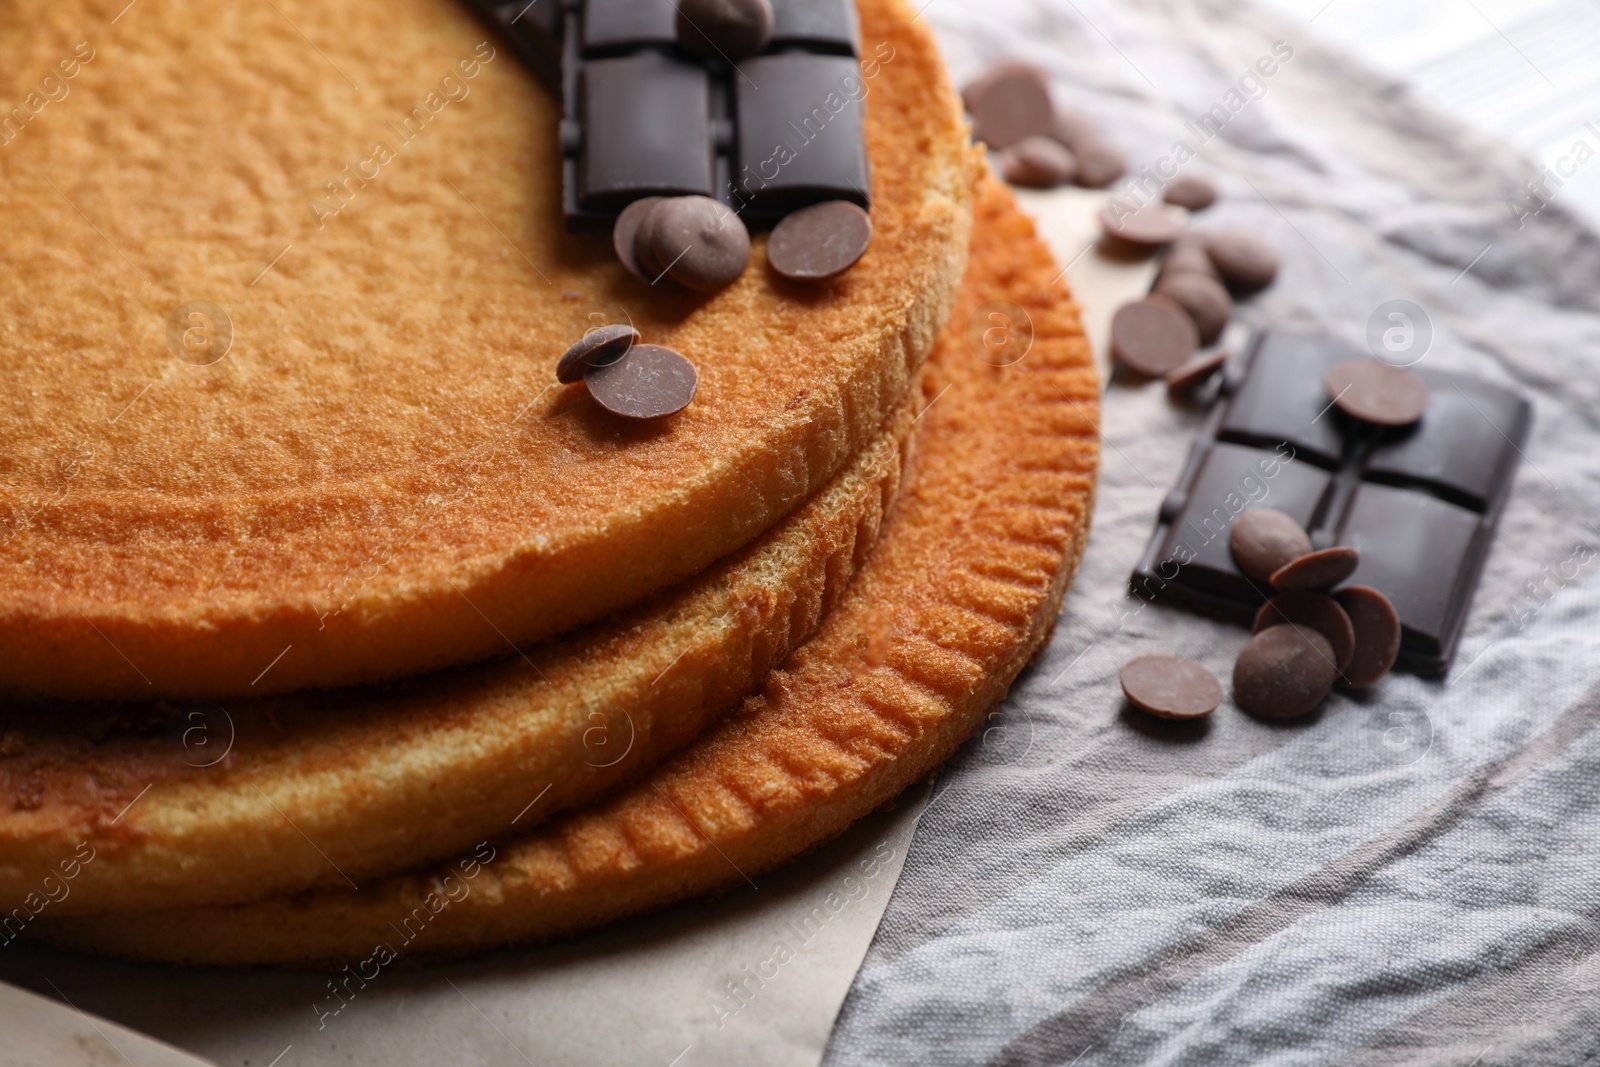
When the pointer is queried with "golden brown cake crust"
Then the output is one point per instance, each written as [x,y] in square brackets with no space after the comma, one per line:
[958,594]
[196,804]
[381,477]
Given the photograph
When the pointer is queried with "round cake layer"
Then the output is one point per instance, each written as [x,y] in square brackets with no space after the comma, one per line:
[198,803]
[961,590]
[284,288]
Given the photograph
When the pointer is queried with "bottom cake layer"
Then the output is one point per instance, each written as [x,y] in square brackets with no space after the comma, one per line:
[961,590]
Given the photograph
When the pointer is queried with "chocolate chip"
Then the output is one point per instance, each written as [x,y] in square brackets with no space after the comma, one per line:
[1151,226]
[1196,372]
[1376,392]
[1377,629]
[1319,611]
[820,241]
[602,345]
[1011,101]
[1264,541]
[1152,336]
[1318,570]
[699,241]
[1072,127]
[1206,301]
[1246,262]
[1192,192]
[1099,162]
[1189,256]
[625,236]
[649,382]
[724,29]
[1171,687]
[1038,163]
[651,269]
[1284,672]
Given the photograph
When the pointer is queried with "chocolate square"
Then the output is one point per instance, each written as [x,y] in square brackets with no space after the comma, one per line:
[1283,401]
[800,131]
[817,25]
[1230,480]
[1458,452]
[614,26]
[647,130]
[1423,554]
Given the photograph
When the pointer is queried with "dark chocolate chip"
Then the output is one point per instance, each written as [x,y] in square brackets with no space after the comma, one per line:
[1196,372]
[1151,226]
[1319,611]
[1376,392]
[699,241]
[1038,163]
[820,241]
[1246,262]
[1377,630]
[625,236]
[651,269]
[602,345]
[1099,162]
[1192,192]
[724,29]
[1171,687]
[1010,102]
[649,382]
[1284,672]
[1152,336]
[1206,301]
[1264,541]
[1318,570]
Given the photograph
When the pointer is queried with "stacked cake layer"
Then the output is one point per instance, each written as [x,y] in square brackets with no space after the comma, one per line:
[602,665]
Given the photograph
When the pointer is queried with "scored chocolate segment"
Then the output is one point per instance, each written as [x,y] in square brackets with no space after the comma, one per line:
[1420,503]
[611,26]
[1282,401]
[1198,522]
[649,117]
[817,25]
[643,117]
[1463,458]
[1423,554]
[801,135]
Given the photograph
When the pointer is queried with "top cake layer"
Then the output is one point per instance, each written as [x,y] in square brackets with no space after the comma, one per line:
[282,301]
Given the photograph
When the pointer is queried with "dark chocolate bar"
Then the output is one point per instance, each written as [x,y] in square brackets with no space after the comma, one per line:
[1421,504]
[533,30]
[642,117]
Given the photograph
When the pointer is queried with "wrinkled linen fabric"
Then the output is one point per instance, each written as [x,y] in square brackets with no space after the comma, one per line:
[1413,875]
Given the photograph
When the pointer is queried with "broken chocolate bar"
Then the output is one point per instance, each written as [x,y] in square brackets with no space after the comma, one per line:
[1420,503]
[642,116]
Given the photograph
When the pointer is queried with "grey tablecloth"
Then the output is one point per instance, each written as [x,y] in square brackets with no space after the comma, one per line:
[1412,877]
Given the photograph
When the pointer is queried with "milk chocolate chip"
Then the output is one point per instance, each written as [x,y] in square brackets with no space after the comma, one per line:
[1171,687]
[1264,541]
[1377,631]
[1318,570]
[649,382]
[602,345]
[1152,336]
[1284,672]
[1376,392]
